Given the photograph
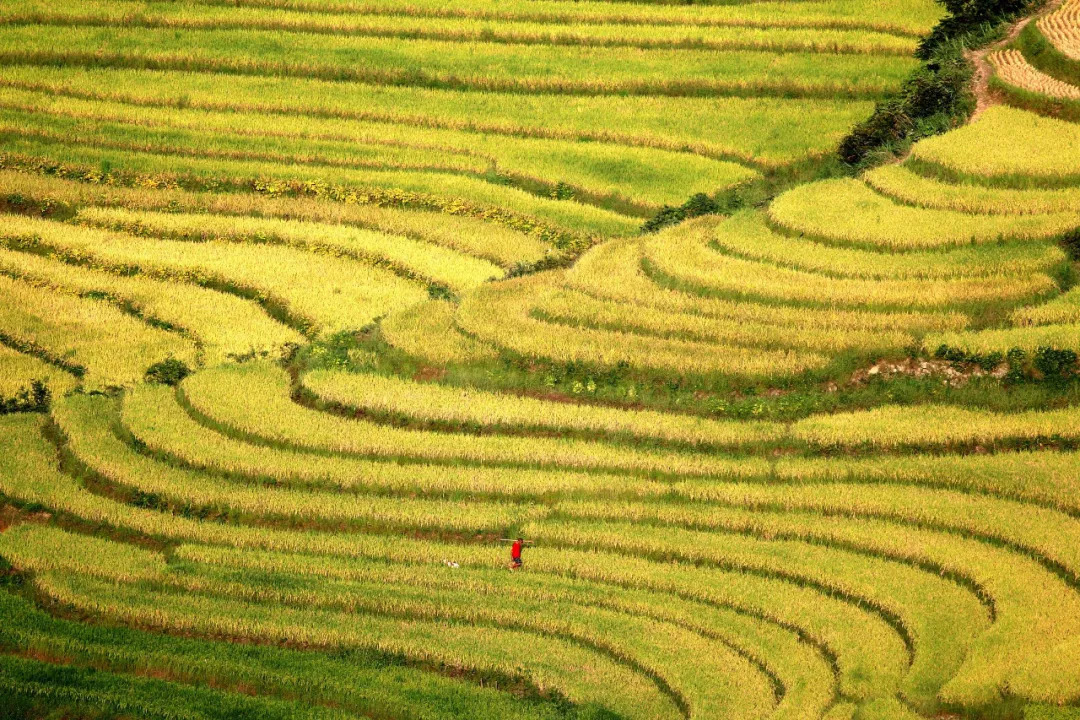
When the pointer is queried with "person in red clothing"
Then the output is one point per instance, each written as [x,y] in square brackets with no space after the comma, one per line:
[515,554]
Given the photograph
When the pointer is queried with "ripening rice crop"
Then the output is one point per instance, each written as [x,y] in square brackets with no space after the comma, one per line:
[1012,67]
[709,679]
[613,271]
[85,421]
[500,314]
[571,307]
[193,139]
[642,177]
[890,16]
[747,235]
[1001,340]
[1048,477]
[1021,589]
[1064,309]
[490,241]
[112,347]
[329,293]
[449,192]
[848,212]
[222,324]
[469,406]
[1049,152]
[43,548]
[893,426]
[407,257]
[1062,28]
[354,684]
[938,630]
[19,370]
[155,418]
[901,183]
[685,257]
[448,27]
[254,399]
[769,130]
[426,331]
[480,66]
[866,650]
[487,648]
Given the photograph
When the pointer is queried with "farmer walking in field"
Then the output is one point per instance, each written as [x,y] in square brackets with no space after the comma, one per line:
[515,554]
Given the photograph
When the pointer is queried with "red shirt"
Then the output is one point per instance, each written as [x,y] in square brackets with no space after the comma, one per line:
[515,551]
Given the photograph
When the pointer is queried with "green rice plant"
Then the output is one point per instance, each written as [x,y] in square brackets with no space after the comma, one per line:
[869,655]
[222,324]
[1024,593]
[770,131]
[747,235]
[612,271]
[156,420]
[451,193]
[94,444]
[502,315]
[485,240]
[42,548]
[18,371]
[354,682]
[106,346]
[803,677]
[88,690]
[576,308]
[1047,154]
[892,16]
[1001,340]
[581,675]
[254,399]
[711,679]
[329,294]
[427,331]
[724,682]
[907,186]
[473,407]
[897,426]
[410,258]
[847,212]
[684,255]
[138,133]
[483,66]
[412,25]
[29,474]
[639,178]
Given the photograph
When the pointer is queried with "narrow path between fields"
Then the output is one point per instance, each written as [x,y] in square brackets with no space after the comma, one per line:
[983,70]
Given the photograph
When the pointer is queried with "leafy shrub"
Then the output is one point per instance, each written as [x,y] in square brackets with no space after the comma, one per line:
[167,372]
[1053,363]
[32,399]
[937,96]
[699,204]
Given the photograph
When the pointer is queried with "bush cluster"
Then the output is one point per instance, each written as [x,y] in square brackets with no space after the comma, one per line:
[937,96]
[167,372]
[699,204]
[1046,363]
[32,399]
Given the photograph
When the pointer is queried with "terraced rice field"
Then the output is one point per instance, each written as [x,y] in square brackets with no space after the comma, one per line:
[307,305]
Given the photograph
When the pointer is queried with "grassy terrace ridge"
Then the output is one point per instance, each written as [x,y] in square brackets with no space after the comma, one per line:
[307,306]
